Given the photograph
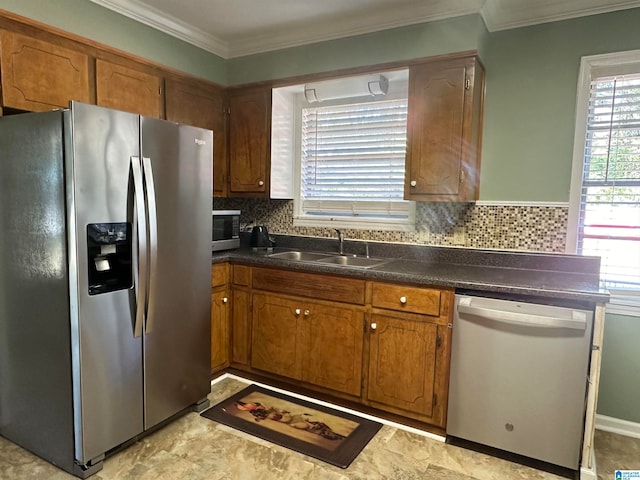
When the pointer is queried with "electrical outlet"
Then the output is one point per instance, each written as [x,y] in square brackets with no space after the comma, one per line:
[459,236]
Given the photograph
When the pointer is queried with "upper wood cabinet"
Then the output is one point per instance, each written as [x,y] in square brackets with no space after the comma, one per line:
[39,76]
[249,142]
[204,106]
[444,128]
[124,88]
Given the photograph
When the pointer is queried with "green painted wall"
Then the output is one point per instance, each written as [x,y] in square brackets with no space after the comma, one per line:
[92,21]
[619,380]
[415,41]
[532,75]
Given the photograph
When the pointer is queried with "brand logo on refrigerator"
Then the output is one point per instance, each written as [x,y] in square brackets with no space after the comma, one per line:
[200,142]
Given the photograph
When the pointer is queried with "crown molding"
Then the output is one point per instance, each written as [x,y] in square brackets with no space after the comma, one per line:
[507,14]
[167,24]
[496,14]
[368,22]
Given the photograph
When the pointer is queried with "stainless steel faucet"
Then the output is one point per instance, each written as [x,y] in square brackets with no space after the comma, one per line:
[340,242]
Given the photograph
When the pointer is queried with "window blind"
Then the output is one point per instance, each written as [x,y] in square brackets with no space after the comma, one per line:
[352,159]
[609,224]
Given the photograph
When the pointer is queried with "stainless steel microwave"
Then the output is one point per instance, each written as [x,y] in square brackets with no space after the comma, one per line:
[225,230]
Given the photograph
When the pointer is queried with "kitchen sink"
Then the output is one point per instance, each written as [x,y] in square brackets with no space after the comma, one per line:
[330,258]
[362,262]
[300,256]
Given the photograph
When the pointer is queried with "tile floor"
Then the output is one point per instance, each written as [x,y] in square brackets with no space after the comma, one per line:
[195,448]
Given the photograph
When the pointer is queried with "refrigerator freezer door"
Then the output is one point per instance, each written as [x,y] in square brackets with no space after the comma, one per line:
[177,169]
[107,358]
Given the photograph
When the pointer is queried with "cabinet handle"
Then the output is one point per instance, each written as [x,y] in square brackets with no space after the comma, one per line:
[374,326]
[261,183]
[306,313]
[413,183]
[297,311]
[403,300]
[225,300]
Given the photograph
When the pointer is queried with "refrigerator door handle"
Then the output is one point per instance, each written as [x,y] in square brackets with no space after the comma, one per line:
[153,241]
[141,222]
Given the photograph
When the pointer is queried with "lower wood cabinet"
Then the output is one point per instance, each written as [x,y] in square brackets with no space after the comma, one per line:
[405,368]
[220,316]
[409,351]
[309,341]
[220,309]
[383,345]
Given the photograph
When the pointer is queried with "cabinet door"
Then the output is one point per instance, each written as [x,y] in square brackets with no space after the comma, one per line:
[124,88]
[335,337]
[249,142]
[444,125]
[39,76]
[220,308]
[276,338]
[241,326]
[203,106]
[402,366]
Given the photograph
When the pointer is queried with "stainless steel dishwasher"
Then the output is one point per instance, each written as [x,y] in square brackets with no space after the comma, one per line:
[519,377]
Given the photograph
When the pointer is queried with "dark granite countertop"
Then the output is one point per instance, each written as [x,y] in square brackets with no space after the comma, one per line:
[559,276]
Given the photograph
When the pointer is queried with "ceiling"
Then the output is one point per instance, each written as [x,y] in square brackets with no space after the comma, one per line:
[233,28]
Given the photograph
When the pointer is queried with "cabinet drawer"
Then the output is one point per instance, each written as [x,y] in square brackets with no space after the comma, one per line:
[325,287]
[219,274]
[425,301]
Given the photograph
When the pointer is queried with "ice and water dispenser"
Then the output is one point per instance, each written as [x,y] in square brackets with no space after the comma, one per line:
[109,257]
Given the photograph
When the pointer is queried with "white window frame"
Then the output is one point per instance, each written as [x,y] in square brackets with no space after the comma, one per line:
[591,67]
[300,219]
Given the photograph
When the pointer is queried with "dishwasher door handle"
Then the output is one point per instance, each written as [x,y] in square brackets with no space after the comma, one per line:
[578,320]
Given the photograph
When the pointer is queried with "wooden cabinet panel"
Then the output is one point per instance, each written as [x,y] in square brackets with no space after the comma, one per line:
[124,88]
[241,327]
[325,287]
[250,142]
[313,342]
[220,308]
[444,125]
[39,76]
[241,275]
[334,336]
[277,339]
[424,301]
[203,106]
[402,365]
[219,274]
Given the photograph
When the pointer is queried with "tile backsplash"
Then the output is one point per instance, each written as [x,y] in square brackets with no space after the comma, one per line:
[521,228]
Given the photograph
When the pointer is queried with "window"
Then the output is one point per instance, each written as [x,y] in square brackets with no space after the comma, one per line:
[351,159]
[605,209]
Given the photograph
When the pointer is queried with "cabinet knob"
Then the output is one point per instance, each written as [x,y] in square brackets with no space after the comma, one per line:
[413,183]
[403,300]
[306,313]
[261,183]
[374,326]
[298,311]
[225,300]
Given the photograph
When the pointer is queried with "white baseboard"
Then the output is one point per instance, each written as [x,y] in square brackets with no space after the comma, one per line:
[616,425]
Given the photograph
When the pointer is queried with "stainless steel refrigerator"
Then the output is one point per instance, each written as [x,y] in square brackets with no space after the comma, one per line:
[105,257]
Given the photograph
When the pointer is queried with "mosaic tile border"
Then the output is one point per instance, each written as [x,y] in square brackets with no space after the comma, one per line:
[520,228]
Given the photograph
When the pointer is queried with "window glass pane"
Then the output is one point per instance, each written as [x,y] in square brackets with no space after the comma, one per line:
[609,223]
[354,153]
